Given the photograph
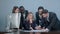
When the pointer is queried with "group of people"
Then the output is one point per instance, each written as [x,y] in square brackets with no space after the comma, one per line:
[24,19]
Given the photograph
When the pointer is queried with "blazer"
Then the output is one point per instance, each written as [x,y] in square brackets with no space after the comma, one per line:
[39,21]
[53,23]
[25,13]
[13,21]
[27,25]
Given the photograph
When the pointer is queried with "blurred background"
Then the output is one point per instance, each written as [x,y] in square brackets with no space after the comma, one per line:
[31,5]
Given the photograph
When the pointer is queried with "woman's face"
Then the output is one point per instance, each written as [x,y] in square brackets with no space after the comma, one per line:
[17,10]
[30,16]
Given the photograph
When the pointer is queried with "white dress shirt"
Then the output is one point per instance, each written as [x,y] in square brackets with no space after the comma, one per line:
[13,20]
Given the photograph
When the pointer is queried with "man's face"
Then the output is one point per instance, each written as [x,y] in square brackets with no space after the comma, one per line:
[45,15]
[40,11]
[22,9]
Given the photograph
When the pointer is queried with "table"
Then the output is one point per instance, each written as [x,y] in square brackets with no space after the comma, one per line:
[30,32]
[34,30]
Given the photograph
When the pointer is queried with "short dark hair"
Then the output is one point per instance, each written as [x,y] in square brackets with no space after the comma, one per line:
[40,8]
[21,7]
[14,8]
[45,11]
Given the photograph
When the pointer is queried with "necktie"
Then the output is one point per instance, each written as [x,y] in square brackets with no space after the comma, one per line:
[21,21]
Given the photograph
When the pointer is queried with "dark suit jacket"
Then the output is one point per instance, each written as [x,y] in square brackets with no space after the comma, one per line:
[53,23]
[22,19]
[39,21]
[27,25]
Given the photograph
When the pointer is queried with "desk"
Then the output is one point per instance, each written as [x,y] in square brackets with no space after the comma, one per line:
[30,32]
[33,30]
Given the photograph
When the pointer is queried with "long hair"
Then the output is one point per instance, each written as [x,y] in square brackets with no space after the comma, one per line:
[14,8]
[32,16]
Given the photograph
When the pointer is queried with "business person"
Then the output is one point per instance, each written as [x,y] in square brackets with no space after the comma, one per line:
[24,14]
[51,22]
[30,23]
[39,19]
[13,19]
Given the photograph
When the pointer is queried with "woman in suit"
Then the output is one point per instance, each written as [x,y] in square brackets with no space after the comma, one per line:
[14,19]
[30,23]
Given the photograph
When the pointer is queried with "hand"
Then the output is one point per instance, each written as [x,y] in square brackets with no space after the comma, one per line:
[47,29]
[43,27]
[31,28]
[38,28]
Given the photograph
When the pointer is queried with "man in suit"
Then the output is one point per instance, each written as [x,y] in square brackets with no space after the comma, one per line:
[24,14]
[51,21]
[39,19]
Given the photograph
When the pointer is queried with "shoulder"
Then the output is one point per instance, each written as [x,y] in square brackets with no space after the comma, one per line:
[36,12]
[26,20]
[9,16]
[34,21]
[52,13]
[26,10]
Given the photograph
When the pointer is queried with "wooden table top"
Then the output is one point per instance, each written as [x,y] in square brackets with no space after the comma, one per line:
[21,32]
